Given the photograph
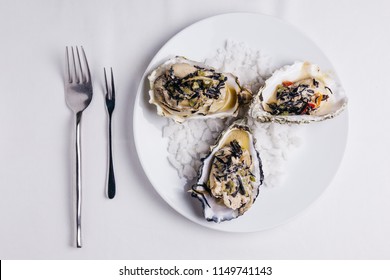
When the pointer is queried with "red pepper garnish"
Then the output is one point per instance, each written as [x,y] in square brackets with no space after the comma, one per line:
[312,105]
[287,83]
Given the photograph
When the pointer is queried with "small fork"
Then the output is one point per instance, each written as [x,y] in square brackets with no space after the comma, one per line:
[110,104]
[78,95]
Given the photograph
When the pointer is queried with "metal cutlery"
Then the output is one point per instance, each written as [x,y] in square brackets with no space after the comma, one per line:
[110,105]
[78,95]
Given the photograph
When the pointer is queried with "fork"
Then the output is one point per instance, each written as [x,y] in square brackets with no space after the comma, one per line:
[78,95]
[110,105]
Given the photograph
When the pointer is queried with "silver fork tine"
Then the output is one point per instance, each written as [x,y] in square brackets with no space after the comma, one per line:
[109,92]
[88,75]
[76,77]
[81,67]
[112,85]
[105,82]
[67,64]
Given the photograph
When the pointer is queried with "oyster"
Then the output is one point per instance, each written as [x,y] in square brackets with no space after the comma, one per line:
[230,176]
[298,93]
[183,89]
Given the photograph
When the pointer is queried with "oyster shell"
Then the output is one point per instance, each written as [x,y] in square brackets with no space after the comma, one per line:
[183,89]
[298,93]
[230,176]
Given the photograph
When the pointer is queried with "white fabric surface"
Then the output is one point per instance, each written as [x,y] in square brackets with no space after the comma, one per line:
[351,220]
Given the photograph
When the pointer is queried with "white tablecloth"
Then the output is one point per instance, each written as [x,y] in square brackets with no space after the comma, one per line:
[351,220]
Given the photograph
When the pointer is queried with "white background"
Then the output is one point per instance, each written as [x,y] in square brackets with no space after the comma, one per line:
[351,220]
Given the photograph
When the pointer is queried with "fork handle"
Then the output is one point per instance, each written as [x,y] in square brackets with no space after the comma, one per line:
[111,188]
[78,180]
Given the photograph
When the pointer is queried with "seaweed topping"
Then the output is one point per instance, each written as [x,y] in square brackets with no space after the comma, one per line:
[231,177]
[195,88]
[299,98]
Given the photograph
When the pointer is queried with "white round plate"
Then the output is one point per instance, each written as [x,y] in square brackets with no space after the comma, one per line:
[309,172]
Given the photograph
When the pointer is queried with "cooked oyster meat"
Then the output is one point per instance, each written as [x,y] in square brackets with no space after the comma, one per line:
[299,93]
[183,89]
[230,176]
[299,98]
[191,88]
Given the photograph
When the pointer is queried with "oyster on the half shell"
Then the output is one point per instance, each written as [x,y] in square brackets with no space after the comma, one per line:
[230,176]
[183,89]
[298,93]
